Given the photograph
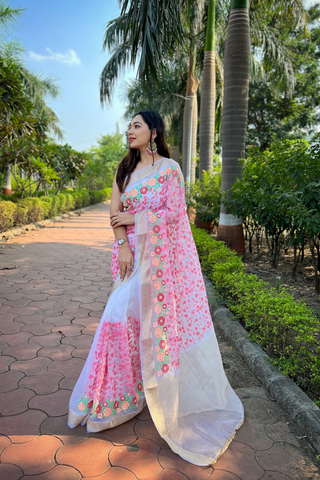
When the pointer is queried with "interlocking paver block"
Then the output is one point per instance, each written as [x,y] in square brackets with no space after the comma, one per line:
[68,330]
[54,404]
[22,352]
[140,458]
[281,432]
[121,435]
[147,429]
[58,426]
[170,460]
[5,361]
[33,457]
[42,384]
[58,353]
[27,423]
[10,472]
[60,472]
[117,473]
[89,457]
[14,339]
[9,380]
[253,434]
[38,329]
[68,368]
[12,403]
[239,459]
[287,459]
[82,341]
[4,442]
[50,340]
[35,366]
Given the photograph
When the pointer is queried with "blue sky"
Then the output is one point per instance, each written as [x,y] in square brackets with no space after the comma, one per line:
[63,38]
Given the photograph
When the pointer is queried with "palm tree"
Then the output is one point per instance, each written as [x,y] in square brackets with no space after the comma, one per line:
[208,96]
[235,113]
[237,62]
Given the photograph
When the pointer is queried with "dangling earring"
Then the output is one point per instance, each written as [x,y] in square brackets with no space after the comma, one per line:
[152,148]
[138,153]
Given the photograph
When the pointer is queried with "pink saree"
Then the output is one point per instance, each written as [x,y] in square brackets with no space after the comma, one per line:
[155,342]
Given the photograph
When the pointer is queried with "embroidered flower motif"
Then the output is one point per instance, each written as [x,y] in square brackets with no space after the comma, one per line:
[159,373]
[157,309]
[143,190]
[156,285]
[90,404]
[161,179]
[156,229]
[158,332]
[134,401]
[152,181]
[153,239]
[155,263]
[125,405]
[129,202]
[160,357]
[107,412]
[116,404]
[164,306]
[100,415]
[161,320]
[160,297]
[152,219]
[163,282]
[133,192]
[139,387]
[122,398]
[81,406]
[157,349]
[165,368]
[98,409]
[118,410]
[162,344]
[159,273]
[157,250]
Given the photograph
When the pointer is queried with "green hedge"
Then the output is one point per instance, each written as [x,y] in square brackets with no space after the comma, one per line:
[34,209]
[283,327]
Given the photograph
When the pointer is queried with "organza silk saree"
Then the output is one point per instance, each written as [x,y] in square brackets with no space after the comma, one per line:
[155,342]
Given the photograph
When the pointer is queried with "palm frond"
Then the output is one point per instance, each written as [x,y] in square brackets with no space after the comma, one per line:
[257,72]
[275,54]
[120,58]
[8,17]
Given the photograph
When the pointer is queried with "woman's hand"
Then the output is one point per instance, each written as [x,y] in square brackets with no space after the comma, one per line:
[125,260]
[120,219]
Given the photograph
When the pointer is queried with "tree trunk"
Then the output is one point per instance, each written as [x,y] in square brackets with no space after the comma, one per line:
[192,87]
[208,97]
[176,154]
[7,188]
[235,115]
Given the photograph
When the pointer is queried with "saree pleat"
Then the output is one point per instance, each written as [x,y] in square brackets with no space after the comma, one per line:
[156,343]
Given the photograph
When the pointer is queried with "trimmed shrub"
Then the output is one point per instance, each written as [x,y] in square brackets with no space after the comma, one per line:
[7,214]
[35,211]
[285,328]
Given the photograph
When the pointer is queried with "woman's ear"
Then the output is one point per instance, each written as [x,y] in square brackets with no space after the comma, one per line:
[154,134]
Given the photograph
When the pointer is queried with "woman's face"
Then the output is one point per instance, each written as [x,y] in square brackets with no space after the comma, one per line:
[138,133]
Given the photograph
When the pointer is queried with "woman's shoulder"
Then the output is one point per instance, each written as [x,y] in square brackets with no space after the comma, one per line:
[172,163]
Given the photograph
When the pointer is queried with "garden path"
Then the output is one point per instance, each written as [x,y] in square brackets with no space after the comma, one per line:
[49,310]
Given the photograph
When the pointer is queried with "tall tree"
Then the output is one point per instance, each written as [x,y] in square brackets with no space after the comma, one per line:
[208,96]
[235,113]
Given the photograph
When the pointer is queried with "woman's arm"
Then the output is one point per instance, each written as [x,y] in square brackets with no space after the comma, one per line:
[125,254]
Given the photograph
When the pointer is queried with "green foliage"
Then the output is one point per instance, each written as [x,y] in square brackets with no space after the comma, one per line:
[273,116]
[7,215]
[280,190]
[103,162]
[31,209]
[205,195]
[285,328]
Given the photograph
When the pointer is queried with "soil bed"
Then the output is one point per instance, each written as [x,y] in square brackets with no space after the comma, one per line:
[302,288]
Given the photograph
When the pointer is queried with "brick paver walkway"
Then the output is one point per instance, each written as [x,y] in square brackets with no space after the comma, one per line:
[50,308]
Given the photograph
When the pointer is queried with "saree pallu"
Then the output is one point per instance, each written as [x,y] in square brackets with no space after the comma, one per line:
[155,342]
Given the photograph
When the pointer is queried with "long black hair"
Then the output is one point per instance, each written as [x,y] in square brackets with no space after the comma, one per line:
[130,161]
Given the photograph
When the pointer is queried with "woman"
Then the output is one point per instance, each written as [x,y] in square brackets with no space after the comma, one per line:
[155,343]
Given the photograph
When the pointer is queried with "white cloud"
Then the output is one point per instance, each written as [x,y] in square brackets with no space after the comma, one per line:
[70,57]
